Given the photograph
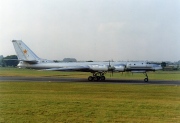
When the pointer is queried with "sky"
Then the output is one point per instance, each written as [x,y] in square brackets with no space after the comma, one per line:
[98,30]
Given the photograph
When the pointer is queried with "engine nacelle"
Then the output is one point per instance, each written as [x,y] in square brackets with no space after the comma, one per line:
[99,67]
[119,68]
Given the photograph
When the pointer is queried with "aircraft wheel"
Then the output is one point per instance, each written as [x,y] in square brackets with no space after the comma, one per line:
[103,78]
[90,78]
[96,78]
[146,80]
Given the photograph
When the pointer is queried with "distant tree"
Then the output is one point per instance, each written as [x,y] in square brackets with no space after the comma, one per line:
[55,60]
[89,61]
[11,60]
[1,58]
[69,60]
[179,62]
[163,65]
[178,67]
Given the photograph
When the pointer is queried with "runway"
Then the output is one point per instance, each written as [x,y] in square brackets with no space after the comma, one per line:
[113,81]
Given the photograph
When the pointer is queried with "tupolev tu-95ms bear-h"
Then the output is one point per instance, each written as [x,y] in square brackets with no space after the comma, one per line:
[28,59]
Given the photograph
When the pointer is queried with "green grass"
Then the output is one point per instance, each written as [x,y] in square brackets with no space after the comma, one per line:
[37,73]
[158,75]
[24,102]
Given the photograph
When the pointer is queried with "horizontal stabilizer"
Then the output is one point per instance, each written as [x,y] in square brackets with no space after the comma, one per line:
[30,62]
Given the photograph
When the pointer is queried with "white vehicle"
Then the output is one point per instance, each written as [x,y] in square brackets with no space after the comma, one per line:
[28,59]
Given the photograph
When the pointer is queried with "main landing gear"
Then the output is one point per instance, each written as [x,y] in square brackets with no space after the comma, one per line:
[146,79]
[98,76]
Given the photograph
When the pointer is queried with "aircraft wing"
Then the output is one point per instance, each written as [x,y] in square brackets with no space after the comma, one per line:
[72,68]
[90,68]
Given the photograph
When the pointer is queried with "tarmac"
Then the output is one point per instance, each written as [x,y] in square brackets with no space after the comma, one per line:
[110,81]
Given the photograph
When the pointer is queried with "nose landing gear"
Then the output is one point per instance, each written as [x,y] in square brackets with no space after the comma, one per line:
[146,79]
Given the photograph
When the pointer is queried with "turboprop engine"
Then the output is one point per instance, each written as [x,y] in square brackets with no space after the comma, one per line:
[99,67]
[116,68]
[119,68]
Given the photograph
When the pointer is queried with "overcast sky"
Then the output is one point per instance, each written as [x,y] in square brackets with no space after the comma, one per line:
[93,29]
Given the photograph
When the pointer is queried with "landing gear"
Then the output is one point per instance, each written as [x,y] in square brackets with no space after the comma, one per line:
[146,79]
[98,76]
[90,78]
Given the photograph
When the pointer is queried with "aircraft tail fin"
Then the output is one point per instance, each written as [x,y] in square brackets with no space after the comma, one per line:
[24,53]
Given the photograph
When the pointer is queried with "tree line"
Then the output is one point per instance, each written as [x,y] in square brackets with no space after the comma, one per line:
[9,61]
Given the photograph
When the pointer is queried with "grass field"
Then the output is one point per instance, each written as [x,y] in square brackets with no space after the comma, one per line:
[34,102]
[77,102]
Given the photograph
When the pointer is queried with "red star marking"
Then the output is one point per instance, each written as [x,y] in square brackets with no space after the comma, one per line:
[25,51]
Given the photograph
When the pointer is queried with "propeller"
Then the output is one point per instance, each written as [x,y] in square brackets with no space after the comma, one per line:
[110,68]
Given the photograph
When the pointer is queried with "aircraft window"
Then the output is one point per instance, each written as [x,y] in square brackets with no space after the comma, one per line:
[134,64]
[142,63]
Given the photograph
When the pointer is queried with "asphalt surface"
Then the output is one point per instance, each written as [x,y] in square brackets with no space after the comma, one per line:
[55,79]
